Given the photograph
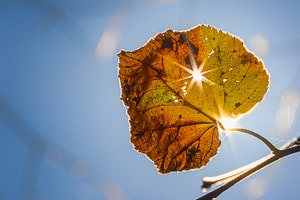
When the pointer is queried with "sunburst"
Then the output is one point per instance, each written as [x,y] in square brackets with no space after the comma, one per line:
[197,73]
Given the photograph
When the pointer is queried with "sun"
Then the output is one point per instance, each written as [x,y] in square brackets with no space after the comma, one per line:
[197,73]
[228,123]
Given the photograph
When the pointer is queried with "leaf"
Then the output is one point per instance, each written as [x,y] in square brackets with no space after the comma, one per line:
[179,86]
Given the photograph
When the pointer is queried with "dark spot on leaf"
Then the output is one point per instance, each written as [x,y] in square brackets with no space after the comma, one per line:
[160,73]
[182,38]
[139,134]
[180,116]
[187,60]
[167,43]
[191,153]
[194,49]
[238,104]
[136,99]
[234,51]
[148,60]
[127,90]
[245,59]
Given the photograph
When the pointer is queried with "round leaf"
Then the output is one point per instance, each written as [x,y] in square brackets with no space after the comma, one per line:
[179,86]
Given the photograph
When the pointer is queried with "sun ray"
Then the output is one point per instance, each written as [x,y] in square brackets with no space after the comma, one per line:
[196,72]
[197,75]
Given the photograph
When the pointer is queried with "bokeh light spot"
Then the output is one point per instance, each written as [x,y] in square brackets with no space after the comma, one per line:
[259,45]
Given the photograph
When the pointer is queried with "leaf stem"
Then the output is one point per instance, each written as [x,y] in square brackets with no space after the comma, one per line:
[291,147]
[261,138]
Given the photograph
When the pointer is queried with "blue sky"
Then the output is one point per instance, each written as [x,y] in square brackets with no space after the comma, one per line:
[64,131]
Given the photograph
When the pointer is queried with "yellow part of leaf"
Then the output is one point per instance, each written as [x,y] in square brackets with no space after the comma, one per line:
[179,85]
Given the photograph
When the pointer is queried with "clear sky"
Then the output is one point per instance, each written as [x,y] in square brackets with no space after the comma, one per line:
[64,131]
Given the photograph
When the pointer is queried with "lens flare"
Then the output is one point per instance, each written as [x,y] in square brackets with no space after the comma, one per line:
[197,74]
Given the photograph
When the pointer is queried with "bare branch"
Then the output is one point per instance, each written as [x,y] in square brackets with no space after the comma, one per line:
[233,177]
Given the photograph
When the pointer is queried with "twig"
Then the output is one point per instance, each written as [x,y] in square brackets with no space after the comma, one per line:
[291,147]
[258,136]
[263,139]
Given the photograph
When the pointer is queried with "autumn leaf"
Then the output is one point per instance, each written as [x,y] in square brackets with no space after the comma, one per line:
[179,86]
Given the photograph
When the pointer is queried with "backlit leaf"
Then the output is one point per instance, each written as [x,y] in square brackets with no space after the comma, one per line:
[179,86]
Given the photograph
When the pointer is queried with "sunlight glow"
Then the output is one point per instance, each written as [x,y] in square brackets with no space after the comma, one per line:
[257,187]
[229,123]
[110,38]
[259,45]
[196,74]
